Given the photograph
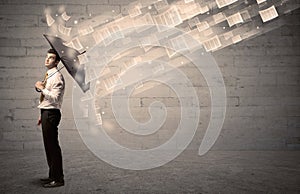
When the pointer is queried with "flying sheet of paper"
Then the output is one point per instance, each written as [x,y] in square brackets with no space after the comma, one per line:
[111,34]
[235,19]
[268,14]
[207,32]
[228,35]
[218,18]
[64,30]
[139,85]
[85,30]
[223,3]
[135,10]
[202,26]
[99,119]
[236,39]
[171,17]
[260,1]
[49,20]
[179,43]
[158,68]
[144,20]
[97,35]
[75,44]
[212,44]
[169,50]
[188,10]
[65,16]
[130,63]
[188,1]
[161,4]
[245,15]
[112,82]
[203,9]
[193,22]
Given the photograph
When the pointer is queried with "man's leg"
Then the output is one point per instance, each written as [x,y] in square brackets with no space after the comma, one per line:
[46,129]
[51,122]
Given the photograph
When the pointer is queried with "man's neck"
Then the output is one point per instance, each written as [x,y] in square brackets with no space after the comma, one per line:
[52,70]
[51,67]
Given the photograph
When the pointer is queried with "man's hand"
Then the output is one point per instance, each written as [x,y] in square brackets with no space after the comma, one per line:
[39,121]
[39,85]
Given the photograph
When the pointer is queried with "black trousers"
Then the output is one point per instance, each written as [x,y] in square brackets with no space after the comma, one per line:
[50,120]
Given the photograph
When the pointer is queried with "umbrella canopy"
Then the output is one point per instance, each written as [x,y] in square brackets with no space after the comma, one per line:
[69,58]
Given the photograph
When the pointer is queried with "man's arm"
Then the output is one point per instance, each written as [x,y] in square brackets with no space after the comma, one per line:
[55,93]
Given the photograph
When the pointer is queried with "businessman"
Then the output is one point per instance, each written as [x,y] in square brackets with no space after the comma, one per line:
[51,96]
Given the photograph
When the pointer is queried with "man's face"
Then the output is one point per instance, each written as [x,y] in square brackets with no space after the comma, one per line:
[50,60]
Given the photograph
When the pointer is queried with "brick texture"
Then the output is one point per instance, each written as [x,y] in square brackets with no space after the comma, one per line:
[262,77]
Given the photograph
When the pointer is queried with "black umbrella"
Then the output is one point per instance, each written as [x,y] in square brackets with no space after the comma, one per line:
[69,58]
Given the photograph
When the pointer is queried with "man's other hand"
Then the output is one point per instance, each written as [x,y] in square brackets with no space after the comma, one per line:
[39,121]
[39,85]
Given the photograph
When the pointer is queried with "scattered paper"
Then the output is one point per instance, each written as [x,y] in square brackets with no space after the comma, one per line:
[223,3]
[207,32]
[49,20]
[160,4]
[188,1]
[235,19]
[245,15]
[260,1]
[179,43]
[65,16]
[193,22]
[75,43]
[203,9]
[202,26]
[64,30]
[99,119]
[97,35]
[218,18]
[135,10]
[85,30]
[112,82]
[228,35]
[212,44]
[236,39]
[139,85]
[158,68]
[171,17]
[268,14]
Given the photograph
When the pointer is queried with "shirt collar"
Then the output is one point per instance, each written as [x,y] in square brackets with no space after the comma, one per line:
[52,70]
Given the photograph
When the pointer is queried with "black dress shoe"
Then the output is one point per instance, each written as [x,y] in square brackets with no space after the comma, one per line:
[54,184]
[45,180]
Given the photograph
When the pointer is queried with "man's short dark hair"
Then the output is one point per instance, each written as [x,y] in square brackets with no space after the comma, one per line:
[52,51]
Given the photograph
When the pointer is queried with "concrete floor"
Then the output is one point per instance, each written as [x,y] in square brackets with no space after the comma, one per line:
[216,172]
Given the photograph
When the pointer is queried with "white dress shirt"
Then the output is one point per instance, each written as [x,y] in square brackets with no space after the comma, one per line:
[53,91]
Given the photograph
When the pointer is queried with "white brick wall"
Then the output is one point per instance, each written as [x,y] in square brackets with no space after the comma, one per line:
[262,77]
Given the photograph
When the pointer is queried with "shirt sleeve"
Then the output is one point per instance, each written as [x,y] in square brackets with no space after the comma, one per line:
[56,91]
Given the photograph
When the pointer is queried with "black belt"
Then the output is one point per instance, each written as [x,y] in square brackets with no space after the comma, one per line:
[50,110]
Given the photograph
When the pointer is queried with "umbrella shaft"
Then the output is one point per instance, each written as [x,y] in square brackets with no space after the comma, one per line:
[53,73]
